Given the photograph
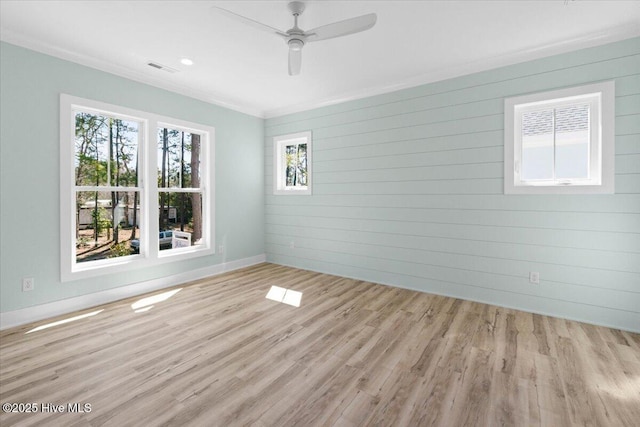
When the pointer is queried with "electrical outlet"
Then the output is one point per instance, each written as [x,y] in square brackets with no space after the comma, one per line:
[534,277]
[292,245]
[221,249]
[28,284]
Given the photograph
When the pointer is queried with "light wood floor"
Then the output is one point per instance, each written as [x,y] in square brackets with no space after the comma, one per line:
[217,353]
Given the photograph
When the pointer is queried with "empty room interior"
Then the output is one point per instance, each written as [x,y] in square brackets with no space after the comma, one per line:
[320,213]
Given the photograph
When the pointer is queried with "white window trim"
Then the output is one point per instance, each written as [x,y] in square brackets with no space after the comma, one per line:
[278,142]
[150,255]
[601,169]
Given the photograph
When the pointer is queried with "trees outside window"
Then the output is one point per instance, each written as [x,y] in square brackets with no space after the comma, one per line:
[106,184]
[179,189]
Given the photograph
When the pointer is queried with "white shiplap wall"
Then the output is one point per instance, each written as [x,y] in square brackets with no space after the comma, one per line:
[408,191]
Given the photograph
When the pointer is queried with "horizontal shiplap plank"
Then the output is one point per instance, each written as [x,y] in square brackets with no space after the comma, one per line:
[629,124]
[437,172]
[629,163]
[399,217]
[605,203]
[462,187]
[486,139]
[627,144]
[629,104]
[628,183]
[629,85]
[473,155]
[627,169]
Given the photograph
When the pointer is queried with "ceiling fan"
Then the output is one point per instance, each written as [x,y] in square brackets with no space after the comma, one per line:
[296,38]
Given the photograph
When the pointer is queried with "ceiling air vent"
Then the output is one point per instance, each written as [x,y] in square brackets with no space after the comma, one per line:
[162,67]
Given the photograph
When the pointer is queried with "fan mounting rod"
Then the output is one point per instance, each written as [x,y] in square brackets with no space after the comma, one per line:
[296,8]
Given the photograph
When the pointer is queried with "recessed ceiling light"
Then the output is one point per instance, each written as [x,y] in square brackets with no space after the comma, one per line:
[186,61]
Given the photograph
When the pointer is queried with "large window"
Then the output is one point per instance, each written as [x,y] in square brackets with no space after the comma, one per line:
[292,164]
[560,141]
[135,188]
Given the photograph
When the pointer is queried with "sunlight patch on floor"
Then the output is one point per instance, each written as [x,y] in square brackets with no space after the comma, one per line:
[61,322]
[286,296]
[145,304]
[626,389]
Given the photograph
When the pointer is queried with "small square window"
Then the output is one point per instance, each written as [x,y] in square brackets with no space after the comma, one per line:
[292,164]
[560,142]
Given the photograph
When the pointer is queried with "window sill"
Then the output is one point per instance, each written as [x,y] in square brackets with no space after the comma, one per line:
[605,188]
[305,192]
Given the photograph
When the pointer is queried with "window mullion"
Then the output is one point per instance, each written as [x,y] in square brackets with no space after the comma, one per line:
[106,188]
[151,217]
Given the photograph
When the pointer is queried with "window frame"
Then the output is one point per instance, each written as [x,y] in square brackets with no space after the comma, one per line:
[279,142]
[601,98]
[205,170]
[149,254]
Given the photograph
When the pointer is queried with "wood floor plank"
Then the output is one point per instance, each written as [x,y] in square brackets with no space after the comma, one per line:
[472,400]
[217,352]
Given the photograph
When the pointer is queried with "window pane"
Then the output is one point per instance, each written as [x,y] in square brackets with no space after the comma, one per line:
[180,219]
[572,142]
[296,165]
[98,236]
[106,151]
[537,145]
[178,159]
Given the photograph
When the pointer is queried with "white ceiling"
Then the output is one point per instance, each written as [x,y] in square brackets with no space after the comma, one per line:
[237,66]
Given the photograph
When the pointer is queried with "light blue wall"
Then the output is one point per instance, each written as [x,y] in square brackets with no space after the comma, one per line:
[408,191]
[30,204]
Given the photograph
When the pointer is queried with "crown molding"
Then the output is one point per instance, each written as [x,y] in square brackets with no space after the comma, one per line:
[14,38]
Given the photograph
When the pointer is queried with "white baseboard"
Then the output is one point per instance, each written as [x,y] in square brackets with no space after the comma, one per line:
[22,316]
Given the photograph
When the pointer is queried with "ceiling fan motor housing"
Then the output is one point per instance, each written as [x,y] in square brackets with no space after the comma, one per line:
[295,44]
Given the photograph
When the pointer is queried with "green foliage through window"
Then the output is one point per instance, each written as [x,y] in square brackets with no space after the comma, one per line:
[296,165]
[178,154]
[106,155]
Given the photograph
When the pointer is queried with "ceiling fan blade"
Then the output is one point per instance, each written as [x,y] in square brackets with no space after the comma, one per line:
[251,22]
[295,61]
[342,28]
